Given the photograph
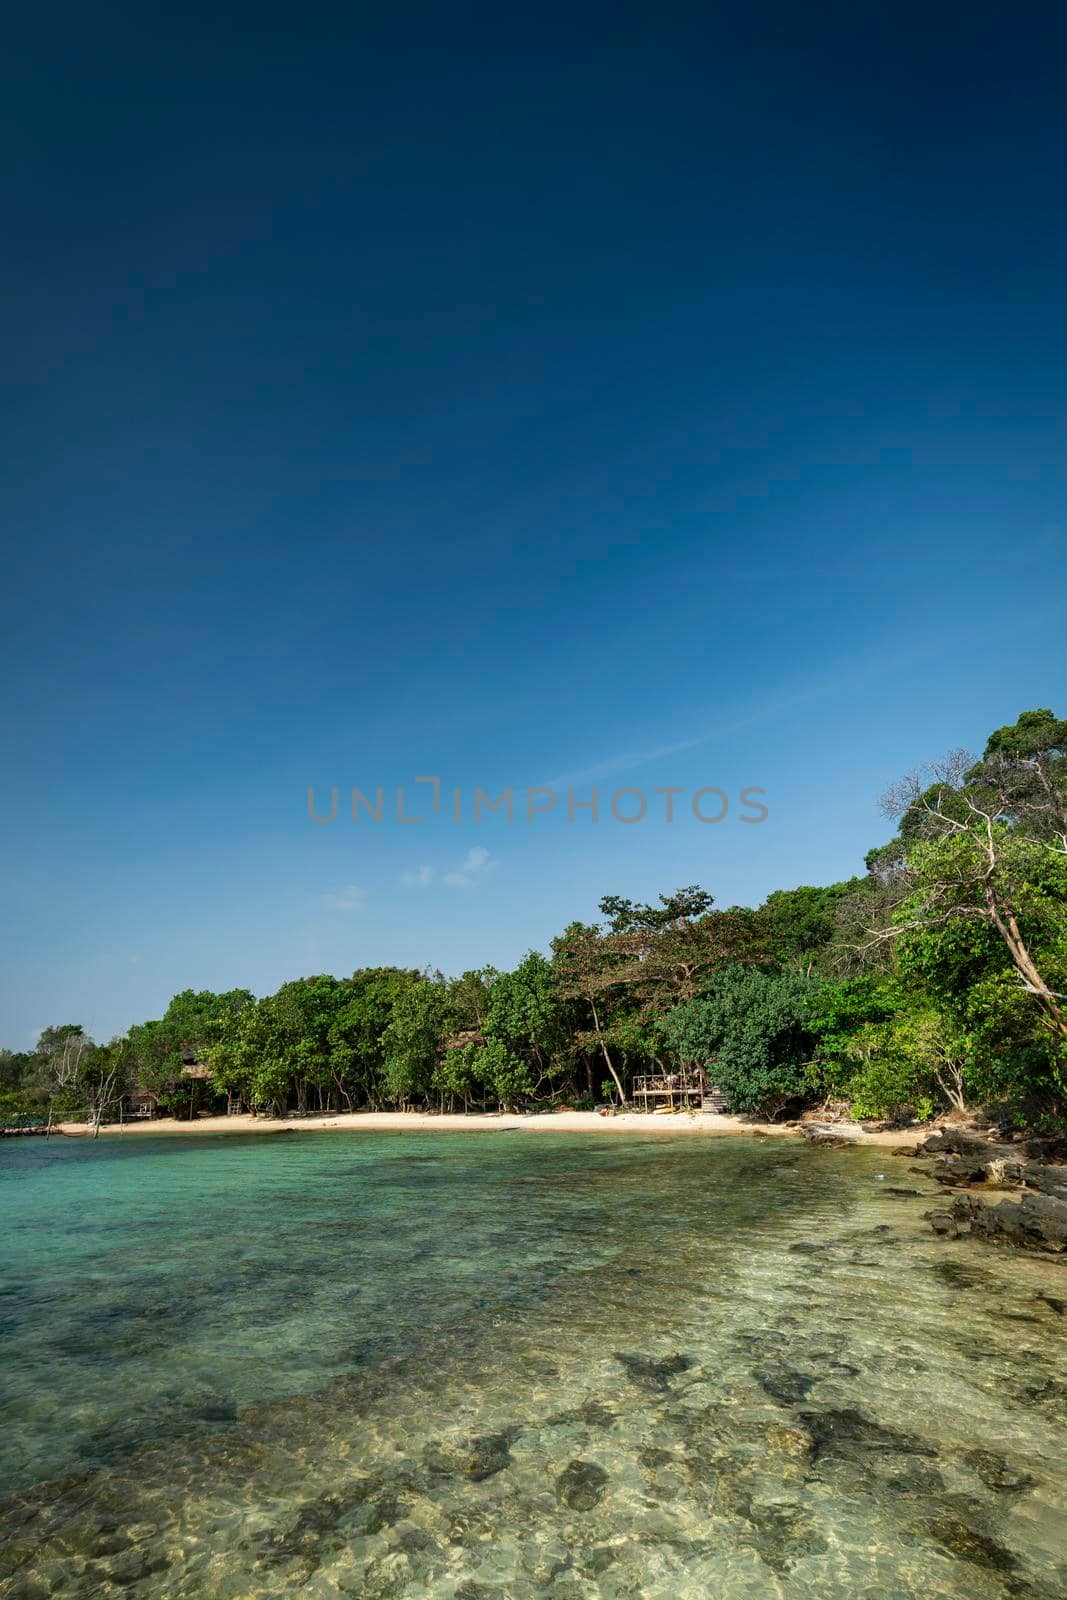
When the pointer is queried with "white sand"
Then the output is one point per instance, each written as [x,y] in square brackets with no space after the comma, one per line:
[545,1122]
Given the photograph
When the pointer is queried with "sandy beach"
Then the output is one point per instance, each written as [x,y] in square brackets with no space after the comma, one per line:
[547,1122]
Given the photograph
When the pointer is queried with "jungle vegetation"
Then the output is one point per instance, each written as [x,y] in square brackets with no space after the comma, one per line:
[934,981]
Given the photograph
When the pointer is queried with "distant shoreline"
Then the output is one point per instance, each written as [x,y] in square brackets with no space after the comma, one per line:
[484,1122]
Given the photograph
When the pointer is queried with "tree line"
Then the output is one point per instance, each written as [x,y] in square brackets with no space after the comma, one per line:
[934,981]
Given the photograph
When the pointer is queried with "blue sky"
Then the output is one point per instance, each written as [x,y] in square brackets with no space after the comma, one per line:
[637,400]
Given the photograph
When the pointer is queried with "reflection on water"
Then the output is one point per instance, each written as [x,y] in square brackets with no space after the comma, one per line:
[516,1366]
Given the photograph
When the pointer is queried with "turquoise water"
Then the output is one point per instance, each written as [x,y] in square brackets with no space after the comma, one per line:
[513,1365]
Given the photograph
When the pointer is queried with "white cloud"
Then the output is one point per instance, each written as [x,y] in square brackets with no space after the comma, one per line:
[348,898]
[417,877]
[477,864]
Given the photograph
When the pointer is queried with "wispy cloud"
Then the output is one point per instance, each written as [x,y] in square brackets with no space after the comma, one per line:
[477,864]
[417,877]
[348,898]
[475,867]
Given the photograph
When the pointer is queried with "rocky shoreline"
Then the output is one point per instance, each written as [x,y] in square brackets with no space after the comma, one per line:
[1031,1175]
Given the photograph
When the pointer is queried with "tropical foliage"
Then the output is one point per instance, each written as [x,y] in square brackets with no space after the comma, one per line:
[935,982]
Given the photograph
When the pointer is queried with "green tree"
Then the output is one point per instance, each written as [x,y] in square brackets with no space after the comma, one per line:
[358,1032]
[423,1018]
[756,1026]
[589,969]
[528,1016]
[986,842]
[800,925]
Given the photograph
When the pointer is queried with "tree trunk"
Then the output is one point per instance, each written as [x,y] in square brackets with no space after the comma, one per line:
[607,1058]
[1008,929]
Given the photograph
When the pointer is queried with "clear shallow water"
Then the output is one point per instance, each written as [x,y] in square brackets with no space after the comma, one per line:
[376,1365]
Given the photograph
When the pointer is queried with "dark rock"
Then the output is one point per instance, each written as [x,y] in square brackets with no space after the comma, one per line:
[411,1540]
[131,1565]
[218,1408]
[580,1486]
[913,1480]
[316,1522]
[953,1141]
[963,1275]
[837,1432]
[804,1247]
[480,1457]
[1048,1180]
[488,1454]
[967,1544]
[785,1385]
[964,1159]
[599,1559]
[371,1516]
[1058,1306]
[545,1562]
[944,1223]
[1037,1222]
[783,1535]
[825,1139]
[591,1412]
[996,1472]
[27,1587]
[647,1373]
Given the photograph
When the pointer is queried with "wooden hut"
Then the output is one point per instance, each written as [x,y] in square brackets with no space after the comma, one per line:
[690,1089]
[140,1102]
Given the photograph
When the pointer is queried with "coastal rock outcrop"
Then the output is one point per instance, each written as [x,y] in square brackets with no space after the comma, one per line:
[1034,1222]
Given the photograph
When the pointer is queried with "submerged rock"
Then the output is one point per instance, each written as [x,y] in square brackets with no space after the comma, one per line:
[545,1562]
[476,1458]
[996,1472]
[647,1373]
[580,1486]
[591,1413]
[837,1432]
[784,1534]
[967,1544]
[785,1385]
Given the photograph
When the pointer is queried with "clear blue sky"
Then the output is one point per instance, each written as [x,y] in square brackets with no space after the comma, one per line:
[644,396]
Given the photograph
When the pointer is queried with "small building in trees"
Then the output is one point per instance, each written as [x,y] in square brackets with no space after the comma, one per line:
[690,1089]
[139,1102]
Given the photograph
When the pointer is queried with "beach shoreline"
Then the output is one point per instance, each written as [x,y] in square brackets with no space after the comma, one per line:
[681,1122]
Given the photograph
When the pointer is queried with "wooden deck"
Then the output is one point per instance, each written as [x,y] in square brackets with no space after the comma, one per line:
[678,1091]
